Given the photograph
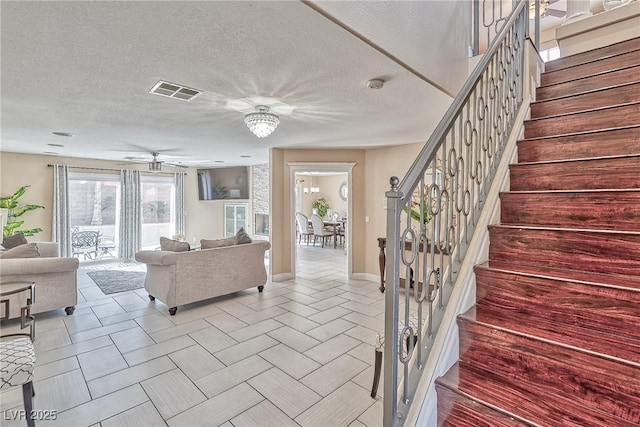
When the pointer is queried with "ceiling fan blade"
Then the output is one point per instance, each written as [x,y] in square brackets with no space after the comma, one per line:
[556,13]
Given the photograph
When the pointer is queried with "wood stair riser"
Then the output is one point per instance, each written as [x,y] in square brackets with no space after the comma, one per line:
[455,410]
[599,308]
[594,55]
[624,60]
[627,94]
[587,121]
[607,210]
[587,84]
[616,142]
[520,398]
[591,174]
[615,253]
[597,383]
[618,280]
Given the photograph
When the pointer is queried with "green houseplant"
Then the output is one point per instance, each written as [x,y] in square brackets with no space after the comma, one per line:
[321,206]
[15,210]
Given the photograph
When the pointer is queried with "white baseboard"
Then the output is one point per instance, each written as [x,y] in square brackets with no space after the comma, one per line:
[282,277]
[366,276]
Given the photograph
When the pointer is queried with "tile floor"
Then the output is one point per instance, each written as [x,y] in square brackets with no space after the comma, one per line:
[300,353]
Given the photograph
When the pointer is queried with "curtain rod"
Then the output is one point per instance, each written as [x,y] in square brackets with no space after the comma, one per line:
[116,170]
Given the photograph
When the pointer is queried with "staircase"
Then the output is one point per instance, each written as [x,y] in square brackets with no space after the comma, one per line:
[554,338]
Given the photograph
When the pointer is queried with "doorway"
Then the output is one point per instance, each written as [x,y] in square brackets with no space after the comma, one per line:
[329,186]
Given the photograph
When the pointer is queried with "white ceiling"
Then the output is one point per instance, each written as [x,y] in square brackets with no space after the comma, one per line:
[85,67]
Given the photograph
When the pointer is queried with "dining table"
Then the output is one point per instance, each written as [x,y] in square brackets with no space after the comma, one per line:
[335,224]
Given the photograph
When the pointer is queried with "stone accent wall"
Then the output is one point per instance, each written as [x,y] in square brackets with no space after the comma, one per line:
[260,201]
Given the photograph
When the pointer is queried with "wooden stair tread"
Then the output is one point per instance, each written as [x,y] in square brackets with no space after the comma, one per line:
[598,66]
[588,83]
[583,121]
[610,279]
[456,410]
[593,55]
[583,159]
[625,350]
[513,396]
[595,99]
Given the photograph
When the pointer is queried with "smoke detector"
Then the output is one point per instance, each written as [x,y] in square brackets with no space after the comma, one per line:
[375,84]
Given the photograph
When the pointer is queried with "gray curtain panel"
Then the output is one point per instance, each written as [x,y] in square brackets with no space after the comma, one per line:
[179,184]
[61,224]
[130,214]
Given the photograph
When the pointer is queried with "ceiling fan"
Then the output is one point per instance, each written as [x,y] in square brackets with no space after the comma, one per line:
[155,165]
[545,10]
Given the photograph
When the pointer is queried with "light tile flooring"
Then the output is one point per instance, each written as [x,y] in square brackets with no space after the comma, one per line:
[300,353]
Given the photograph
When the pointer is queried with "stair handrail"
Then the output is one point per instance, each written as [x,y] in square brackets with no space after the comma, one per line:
[437,204]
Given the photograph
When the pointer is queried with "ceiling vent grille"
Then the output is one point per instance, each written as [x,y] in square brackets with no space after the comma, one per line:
[173,90]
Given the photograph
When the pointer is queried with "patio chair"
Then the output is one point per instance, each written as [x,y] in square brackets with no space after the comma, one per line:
[85,243]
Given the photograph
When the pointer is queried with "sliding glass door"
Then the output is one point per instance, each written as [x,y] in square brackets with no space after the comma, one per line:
[158,209]
[94,204]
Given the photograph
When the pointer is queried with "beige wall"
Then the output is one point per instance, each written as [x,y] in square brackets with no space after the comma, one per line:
[329,189]
[382,164]
[204,219]
[371,176]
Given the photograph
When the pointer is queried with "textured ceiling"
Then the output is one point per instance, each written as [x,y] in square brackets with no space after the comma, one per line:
[85,67]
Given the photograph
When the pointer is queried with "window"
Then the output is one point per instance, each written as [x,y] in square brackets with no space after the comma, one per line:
[94,205]
[158,209]
[550,54]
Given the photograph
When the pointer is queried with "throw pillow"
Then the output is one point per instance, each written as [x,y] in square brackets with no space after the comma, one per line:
[13,241]
[30,250]
[173,245]
[241,237]
[217,243]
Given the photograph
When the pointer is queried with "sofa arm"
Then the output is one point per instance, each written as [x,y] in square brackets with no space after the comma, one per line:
[48,249]
[156,257]
[31,266]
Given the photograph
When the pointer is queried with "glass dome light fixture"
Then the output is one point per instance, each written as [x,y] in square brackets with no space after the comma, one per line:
[262,123]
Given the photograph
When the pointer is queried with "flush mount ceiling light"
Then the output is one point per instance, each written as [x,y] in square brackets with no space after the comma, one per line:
[375,84]
[262,123]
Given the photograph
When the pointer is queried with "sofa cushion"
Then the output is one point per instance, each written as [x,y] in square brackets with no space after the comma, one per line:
[30,250]
[241,237]
[13,241]
[217,243]
[173,245]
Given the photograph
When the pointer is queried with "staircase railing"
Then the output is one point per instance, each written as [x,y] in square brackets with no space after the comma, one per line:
[435,208]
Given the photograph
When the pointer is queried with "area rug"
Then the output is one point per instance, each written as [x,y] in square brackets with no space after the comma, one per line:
[113,281]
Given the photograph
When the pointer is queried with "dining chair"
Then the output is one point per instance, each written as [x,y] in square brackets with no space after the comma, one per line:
[303,228]
[319,229]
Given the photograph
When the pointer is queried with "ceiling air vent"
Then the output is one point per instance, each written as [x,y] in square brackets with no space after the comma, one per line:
[173,90]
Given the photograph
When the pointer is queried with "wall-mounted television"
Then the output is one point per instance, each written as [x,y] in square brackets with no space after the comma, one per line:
[223,183]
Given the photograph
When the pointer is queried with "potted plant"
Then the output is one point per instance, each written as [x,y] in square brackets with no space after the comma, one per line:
[14,210]
[321,206]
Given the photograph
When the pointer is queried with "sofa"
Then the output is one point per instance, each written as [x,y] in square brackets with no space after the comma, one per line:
[56,279]
[178,278]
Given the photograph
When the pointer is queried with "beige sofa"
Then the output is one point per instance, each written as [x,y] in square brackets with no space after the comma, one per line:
[56,279]
[178,278]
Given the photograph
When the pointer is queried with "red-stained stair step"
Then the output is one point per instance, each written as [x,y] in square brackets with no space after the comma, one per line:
[589,83]
[602,209]
[607,97]
[616,252]
[619,172]
[593,55]
[532,404]
[611,142]
[623,60]
[586,121]
[596,307]
[597,383]
[455,410]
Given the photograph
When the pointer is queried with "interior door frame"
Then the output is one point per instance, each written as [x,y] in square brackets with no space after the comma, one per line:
[337,167]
